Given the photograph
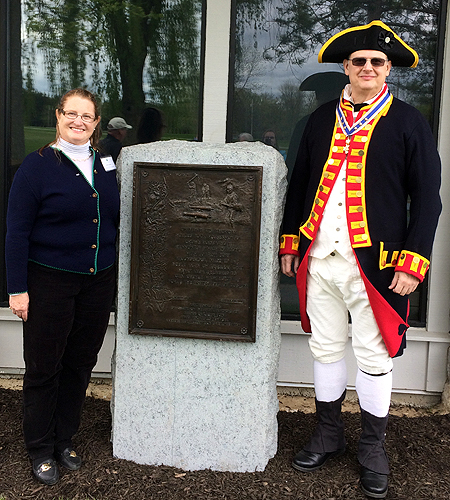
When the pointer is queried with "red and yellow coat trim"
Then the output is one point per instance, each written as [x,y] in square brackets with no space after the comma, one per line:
[289,244]
[412,263]
[388,257]
[354,149]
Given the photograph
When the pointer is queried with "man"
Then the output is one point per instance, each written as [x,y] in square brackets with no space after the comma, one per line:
[117,131]
[270,139]
[347,238]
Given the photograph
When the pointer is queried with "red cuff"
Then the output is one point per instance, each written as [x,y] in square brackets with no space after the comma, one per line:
[412,263]
[289,244]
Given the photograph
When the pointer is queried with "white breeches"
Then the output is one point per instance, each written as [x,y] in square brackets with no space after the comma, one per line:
[334,289]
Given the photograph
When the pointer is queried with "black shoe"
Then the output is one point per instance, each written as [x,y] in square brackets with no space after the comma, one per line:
[68,459]
[373,484]
[307,461]
[46,470]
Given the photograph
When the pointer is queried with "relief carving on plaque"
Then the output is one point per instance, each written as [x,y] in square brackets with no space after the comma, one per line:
[196,257]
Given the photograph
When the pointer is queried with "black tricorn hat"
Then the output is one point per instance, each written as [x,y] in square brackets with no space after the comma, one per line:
[373,36]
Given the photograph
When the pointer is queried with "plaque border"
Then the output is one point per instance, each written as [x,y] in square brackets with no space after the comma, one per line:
[135,261]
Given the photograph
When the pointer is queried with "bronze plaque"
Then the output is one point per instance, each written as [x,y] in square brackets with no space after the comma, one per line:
[194,251]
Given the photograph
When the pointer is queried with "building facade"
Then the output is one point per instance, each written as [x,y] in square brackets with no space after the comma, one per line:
[217,68]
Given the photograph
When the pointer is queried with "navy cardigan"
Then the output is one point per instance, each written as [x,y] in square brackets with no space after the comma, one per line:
[58,219]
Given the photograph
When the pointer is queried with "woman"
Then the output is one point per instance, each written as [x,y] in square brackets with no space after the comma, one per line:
[60,250]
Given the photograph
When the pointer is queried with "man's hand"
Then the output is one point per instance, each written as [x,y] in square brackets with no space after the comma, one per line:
[404,283]
[286,264]
[19,305]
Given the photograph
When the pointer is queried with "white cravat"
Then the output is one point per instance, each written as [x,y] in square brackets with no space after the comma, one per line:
[332,234]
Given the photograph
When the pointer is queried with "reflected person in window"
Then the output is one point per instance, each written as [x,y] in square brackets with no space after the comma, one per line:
[347,239]
[112,143]
[151,126]
[62,222]
[270,138]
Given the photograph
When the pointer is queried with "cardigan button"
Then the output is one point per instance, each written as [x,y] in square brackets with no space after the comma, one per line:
[93,246]
[94,195]
[95,221]
[95,172]
[91,270]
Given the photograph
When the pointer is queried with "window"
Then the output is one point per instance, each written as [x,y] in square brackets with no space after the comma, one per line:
[131,54]
[278,82]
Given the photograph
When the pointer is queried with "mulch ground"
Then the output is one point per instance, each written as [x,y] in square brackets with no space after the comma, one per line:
[419,450]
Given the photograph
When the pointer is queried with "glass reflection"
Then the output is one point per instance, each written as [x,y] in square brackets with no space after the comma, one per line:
[133,54]
[278,81]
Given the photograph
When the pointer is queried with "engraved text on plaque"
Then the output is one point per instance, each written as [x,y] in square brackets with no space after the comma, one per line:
[194,252]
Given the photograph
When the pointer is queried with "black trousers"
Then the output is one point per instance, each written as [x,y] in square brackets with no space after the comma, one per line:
[67,321]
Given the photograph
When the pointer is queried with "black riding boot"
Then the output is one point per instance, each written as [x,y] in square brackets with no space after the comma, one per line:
[372,455]
[327,440]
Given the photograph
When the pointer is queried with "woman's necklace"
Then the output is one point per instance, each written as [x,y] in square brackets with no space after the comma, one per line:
[82,159]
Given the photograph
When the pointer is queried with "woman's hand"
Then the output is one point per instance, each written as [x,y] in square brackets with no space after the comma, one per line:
[19,305]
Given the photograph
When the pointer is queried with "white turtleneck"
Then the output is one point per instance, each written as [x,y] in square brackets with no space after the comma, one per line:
[80,155]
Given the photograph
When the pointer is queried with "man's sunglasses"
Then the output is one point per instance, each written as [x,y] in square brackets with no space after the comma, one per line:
[376,62]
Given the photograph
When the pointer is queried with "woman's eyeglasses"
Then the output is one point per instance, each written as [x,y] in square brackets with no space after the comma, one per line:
[72,115]
[376,62]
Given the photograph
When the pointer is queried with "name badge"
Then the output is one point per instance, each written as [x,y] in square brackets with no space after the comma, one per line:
[108,163]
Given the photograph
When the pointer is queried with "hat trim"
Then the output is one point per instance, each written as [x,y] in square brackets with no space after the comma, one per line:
[357,28]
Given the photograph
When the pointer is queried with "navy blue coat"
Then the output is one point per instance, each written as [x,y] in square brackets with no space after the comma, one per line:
[402,164]
[58,219]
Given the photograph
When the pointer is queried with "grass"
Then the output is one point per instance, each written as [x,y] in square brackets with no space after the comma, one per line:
[36,137]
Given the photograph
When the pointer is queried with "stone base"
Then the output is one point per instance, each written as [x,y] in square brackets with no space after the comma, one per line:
[191,403]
